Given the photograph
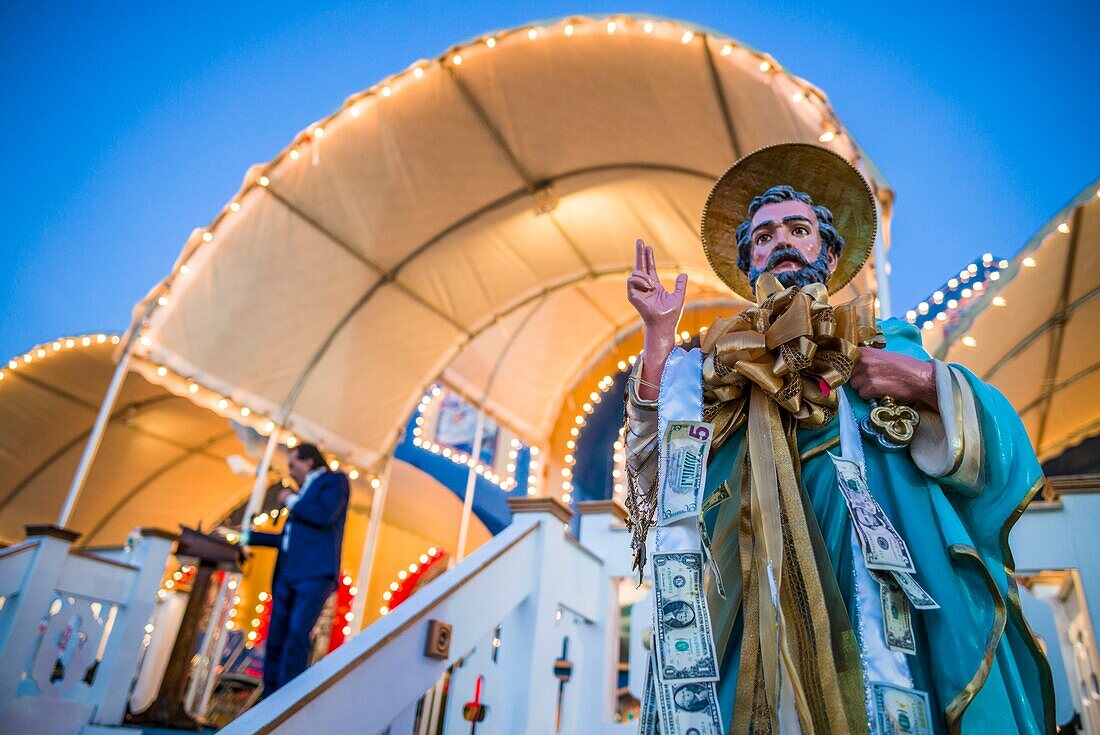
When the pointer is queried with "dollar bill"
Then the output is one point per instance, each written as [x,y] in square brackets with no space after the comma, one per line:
[689,709]
[883,547]
[708,554]
[685,451]
[721,494]
[916,594]
[683,640]
[897,623]
[900,711]
[647,724]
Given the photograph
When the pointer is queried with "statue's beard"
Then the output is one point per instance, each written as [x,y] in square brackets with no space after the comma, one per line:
[815,272]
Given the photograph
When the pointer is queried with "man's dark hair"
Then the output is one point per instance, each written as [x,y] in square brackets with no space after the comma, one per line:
[830,238]
[312,453]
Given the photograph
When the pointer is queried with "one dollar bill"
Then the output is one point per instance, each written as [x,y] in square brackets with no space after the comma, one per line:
[897,622]
[647,724]
[916,594]
[883,548]
[900,711]
[685,452]
[683,640]
[689,709]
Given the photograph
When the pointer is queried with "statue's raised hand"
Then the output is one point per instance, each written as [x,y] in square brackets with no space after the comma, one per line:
[659,308]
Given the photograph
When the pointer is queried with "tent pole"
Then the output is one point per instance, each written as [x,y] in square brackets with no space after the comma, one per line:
[96,437]
[370,546]
[882,278]
[104,417]
[471,485]
[259,486]
[98,429]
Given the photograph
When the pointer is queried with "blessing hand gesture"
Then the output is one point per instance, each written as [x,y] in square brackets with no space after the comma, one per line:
[659,308]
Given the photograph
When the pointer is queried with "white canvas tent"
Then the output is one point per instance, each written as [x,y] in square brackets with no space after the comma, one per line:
[470,220]
[1047,362]
[162,462]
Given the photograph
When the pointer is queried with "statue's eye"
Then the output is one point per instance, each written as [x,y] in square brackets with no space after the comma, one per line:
[801,230]
[762,238]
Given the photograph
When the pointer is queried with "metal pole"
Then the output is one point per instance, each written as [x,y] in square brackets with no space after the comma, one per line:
[882,279]
[95,438]
[471,485]
[370,547]
[103,418]
[259,486]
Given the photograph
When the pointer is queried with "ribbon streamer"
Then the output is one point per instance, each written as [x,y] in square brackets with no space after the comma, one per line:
[776,367]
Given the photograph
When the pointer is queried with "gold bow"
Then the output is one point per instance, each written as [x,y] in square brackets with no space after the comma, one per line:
[777,366]
[793,345]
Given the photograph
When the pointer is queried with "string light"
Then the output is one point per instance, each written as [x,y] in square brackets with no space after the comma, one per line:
[459,458]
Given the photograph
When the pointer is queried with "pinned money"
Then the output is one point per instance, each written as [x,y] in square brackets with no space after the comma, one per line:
[883,548]
[684,453]
[689,709]
[905,582]
[647,724]
[900,711]
[683,640]
[897,623]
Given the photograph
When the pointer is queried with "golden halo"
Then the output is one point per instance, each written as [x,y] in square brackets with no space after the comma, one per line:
[829,180]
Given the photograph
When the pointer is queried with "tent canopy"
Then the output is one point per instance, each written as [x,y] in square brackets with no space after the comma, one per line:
[163,461]
[1033,336]
[471,220]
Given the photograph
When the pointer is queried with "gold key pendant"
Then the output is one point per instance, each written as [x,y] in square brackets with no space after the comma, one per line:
[890,424]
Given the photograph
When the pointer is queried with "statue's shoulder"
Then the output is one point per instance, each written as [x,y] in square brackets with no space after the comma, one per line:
[903,337]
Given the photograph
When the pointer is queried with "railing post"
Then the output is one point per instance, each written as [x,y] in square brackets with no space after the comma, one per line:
[602,528]
[603,532]
[30,605]
[116,670]
[527,662]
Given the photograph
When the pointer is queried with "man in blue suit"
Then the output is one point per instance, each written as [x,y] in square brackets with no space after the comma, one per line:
[308,563]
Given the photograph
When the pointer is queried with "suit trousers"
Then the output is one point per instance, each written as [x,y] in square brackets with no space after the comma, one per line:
[295,606]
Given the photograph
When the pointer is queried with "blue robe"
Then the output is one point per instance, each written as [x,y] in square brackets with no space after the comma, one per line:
[976,657]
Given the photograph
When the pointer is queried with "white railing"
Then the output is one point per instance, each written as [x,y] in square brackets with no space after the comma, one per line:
[72,625]
[514,605]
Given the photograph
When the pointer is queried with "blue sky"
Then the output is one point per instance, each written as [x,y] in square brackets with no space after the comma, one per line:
[128,125]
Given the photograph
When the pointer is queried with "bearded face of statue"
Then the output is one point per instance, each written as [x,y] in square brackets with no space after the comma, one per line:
[789,237]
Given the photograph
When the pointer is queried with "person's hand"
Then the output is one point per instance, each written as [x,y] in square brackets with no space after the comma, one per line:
[285,493]
[659,308]
[879,373]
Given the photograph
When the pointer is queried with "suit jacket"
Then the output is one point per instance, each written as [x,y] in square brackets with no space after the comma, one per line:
[316,524]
